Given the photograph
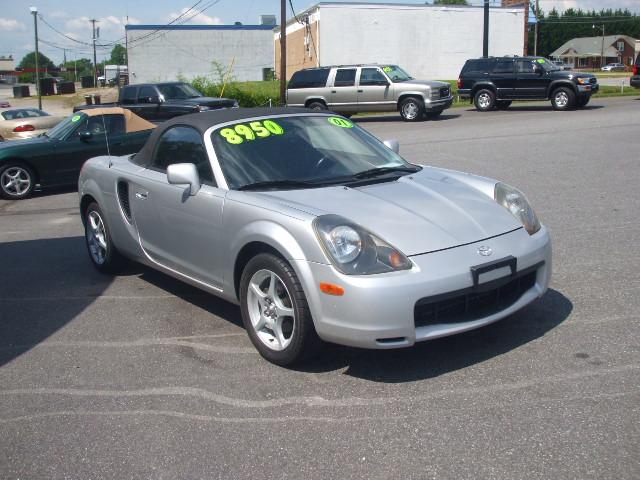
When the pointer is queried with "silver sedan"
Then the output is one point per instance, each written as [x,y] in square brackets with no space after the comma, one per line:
[318,230]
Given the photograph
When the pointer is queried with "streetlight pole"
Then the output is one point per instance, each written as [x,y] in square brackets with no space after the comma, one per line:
[485,34]
[283,51]
[34,12]
[95,64]
[602,47]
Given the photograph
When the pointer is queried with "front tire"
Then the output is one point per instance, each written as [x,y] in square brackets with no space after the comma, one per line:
[102,252]
[484,100]
[411,109]
[17,181]
[433,115]
[563,98]
[275,311]
[582,100]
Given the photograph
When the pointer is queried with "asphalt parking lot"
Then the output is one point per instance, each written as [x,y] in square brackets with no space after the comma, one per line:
[141,376]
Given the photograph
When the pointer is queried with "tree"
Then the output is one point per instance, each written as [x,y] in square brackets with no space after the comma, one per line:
[450,2]
[29,61]
[118,55]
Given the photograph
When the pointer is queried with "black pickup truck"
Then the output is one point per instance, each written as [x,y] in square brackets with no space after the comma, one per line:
[158,102]
[494,82]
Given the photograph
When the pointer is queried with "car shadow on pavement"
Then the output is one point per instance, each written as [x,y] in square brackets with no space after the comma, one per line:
[398,118]
[543,107]
[437,357]
[44,285]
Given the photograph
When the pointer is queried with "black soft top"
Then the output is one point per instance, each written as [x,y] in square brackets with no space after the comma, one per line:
[202,121]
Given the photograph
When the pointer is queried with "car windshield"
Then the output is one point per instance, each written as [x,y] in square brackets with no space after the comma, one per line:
[548,65]
[23,113]
[173,91]
[66,127]
[396,74]
[302,151]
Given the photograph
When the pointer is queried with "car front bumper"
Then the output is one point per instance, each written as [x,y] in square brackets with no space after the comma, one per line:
[379,311]
[635,81]
[590,88]
[438,104]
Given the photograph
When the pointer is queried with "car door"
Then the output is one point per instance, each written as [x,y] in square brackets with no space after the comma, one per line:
[148,103]
[342,94]
[531,79]
[503,77]
[69,154]
[178,230]
[375,91]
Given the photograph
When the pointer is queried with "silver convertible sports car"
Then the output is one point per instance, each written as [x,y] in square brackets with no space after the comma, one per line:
[317,229]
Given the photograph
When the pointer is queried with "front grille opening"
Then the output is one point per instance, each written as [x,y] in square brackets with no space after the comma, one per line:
[391,341]
[123,198]
[470,304]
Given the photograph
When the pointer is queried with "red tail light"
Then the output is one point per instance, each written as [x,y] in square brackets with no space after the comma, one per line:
[635,69]
[24,128]
[459,82]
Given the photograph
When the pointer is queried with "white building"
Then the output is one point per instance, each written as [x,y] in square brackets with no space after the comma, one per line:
[430,42]
[165,52]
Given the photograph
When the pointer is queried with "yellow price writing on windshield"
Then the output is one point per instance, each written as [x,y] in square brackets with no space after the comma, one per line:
[250,131]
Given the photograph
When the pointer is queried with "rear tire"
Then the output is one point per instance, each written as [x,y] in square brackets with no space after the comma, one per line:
[563,98]
[17,181]
[275,311]
[484,100]
[503,104]
[102,252]
[411,109]
[317,106]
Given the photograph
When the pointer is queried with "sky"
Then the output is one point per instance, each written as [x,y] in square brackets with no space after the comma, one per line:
[71,18]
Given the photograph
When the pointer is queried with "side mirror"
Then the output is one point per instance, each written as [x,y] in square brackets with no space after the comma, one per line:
[538,69]
[184,174]
[392,145]
[154,99]
[85,136]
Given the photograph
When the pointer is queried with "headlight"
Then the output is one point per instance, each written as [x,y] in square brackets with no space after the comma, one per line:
[582,81]
[203,108]
[355,251]
[514,200]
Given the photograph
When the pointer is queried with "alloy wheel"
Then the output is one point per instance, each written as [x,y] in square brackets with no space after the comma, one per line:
[15,181]
[96,237]
[561,99]
[271,310]
[410,110]
[484,100]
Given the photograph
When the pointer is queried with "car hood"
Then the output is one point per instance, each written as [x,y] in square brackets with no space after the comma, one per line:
[24,143]
[429,212]
[205,101]
[428,83]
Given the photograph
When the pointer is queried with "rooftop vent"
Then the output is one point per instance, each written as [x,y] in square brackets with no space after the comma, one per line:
[268,20]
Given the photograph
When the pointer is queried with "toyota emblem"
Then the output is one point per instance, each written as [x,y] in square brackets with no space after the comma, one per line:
[484,251]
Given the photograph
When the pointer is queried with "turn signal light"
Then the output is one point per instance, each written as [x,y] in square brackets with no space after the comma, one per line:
[636,68]
[331,289]
[24,128]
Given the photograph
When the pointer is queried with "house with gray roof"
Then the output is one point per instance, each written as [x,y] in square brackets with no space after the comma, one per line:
[594,52]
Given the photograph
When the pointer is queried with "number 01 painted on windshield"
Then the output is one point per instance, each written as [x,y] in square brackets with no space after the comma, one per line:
[241,132]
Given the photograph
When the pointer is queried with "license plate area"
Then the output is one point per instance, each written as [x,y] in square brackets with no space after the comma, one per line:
[487,272]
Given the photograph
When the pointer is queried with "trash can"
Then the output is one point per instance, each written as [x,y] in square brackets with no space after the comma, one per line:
[96,99]
[20,91]
[66,87]
[47,86]
[88,100]
[87,81]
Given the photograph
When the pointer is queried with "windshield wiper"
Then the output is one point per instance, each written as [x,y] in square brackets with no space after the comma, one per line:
[376,172]
[276,184]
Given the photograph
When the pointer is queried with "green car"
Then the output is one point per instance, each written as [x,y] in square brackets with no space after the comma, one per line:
[56,157]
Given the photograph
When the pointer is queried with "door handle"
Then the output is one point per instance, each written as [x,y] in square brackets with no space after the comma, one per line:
[142,195]
[360,91]
[333,91]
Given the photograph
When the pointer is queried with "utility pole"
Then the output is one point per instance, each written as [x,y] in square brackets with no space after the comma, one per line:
[535,31]
[485,37]
[34,12]
[602,47]
[283,51]
[95,63]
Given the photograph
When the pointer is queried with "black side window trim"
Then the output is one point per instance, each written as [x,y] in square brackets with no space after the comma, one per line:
[151,166]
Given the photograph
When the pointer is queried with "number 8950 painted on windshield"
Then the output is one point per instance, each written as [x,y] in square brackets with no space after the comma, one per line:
[243,131]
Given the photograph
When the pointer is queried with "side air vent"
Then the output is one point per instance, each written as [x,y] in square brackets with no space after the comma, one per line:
[123,197]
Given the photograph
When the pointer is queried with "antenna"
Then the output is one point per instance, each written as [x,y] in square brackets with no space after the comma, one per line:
[106,139]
